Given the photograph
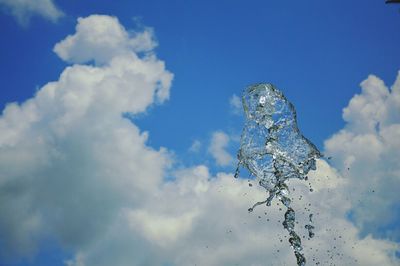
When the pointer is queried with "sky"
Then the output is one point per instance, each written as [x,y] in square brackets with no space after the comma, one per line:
[121,121]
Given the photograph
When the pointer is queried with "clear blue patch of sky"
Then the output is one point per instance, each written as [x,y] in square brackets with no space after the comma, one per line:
[48,252]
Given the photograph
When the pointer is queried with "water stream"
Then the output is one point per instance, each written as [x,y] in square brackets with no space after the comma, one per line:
[273,149]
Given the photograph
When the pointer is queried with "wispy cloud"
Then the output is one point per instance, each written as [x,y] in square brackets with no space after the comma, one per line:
[196,146]
[23,10]
[217,149]
[235,104]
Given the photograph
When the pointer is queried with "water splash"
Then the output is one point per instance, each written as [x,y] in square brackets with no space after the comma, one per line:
[310,227]
[273,149]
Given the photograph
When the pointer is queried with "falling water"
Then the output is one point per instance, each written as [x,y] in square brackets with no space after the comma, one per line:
[273,149]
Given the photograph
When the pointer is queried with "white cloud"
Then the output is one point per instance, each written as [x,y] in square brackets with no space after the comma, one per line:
[202,219]
[100,38]
[23,10]
[236,104]
[217,148]
[73,169]
[69,160]
[367,153]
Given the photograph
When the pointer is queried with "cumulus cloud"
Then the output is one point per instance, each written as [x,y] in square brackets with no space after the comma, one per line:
[23,10]
[200,219]
[217,148]
[236,104]
[69,160]
[72,168]
[367,152]
[101,38]
[215,228]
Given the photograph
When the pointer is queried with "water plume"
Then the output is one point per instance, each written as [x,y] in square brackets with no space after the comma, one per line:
[273,149]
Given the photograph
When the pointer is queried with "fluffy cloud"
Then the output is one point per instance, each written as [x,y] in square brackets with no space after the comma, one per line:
[73,169]
[200,219]
[217,148]
[23,10]
[69,160]
[101,38]
[367,153]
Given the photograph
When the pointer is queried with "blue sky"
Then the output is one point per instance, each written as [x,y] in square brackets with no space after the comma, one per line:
[316,52]
[312,50]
